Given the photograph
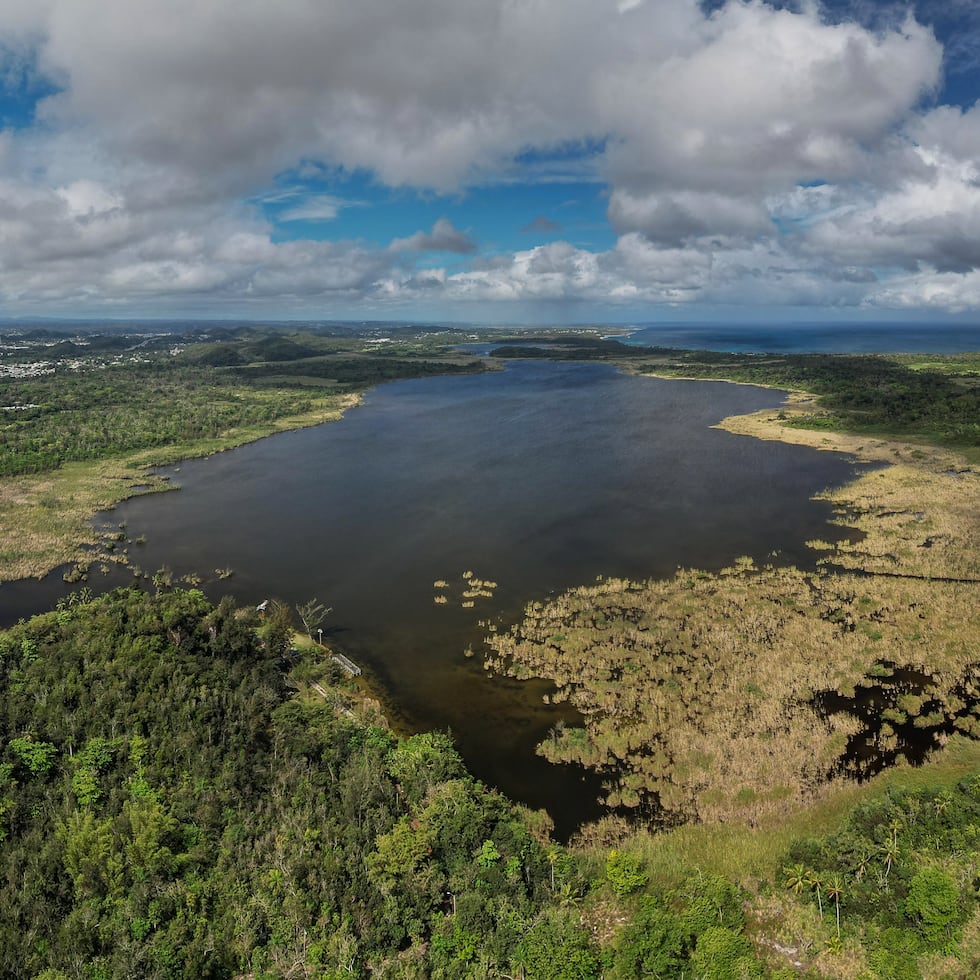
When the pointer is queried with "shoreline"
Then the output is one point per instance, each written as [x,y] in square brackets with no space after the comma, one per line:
[918,511]
[745,735]
[45,518]
[911,475]
[918,517]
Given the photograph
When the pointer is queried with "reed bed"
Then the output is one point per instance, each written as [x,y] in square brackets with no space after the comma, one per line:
[701,694]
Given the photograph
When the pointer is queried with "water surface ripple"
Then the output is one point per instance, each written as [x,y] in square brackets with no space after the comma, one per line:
[540,477]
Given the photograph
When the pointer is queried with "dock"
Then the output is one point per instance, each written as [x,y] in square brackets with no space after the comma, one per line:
[347,664]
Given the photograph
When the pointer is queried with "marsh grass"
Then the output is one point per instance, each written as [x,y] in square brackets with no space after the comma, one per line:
[750,854]
[468,592]
[44,518]
[918,511]
[699,692]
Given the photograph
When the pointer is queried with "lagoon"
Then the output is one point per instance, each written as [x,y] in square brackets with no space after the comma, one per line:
[538,477]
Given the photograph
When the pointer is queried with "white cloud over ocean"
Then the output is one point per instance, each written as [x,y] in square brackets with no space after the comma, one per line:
[748,155]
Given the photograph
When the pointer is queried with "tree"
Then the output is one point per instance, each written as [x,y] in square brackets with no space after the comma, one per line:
[796,877]
[889,850]
[278,628]
[933,902]
[815,881]
[651,945]
[721,954]
[835,889]
[624,873]
[557,948]
[421,761]
[38,757]
[312,613]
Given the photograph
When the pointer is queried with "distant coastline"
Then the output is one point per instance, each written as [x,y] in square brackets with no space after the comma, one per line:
[810,338]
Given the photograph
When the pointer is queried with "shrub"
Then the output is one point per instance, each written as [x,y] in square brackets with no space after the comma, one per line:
[711,901]
[624,873]
[933,902]
[724,955]
[651,945]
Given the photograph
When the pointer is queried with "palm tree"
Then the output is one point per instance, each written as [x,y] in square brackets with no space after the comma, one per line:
[889,854]
[942,803]
[796,877]
[835,889]
[552,858]
[815,881]
[889,850]
[867,854]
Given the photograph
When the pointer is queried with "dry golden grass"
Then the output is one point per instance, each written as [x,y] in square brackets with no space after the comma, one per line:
[919,514]
[700,689]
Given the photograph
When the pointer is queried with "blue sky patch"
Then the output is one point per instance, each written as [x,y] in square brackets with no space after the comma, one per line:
[22,86]
[500,217]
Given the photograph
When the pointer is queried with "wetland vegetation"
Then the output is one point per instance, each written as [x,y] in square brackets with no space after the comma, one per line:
[184,796]
[702,694]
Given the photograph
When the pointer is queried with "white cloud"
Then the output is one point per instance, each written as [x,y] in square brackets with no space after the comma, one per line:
[86,198]
[928,221]
[317,207]
[765,100]
[945,292]
[751,155]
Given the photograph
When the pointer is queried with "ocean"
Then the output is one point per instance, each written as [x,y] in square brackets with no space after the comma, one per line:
[812,338]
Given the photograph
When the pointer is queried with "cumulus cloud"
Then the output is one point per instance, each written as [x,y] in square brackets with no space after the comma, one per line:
[752,153]
[635,270]
[443,238]
[763,101]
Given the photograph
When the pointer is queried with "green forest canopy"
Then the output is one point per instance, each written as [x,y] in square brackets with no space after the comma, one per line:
[171,805]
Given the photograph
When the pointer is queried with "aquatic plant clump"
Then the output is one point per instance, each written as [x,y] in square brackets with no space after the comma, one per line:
[700,693]
[473,588]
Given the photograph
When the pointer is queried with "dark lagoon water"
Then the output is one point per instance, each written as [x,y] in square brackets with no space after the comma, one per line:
[825,338]
[538,477]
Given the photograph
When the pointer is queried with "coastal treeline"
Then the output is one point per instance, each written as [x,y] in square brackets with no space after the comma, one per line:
[70,416]
[171,805]
[931,397]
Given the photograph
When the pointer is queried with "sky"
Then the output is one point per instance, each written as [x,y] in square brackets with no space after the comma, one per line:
[490,161]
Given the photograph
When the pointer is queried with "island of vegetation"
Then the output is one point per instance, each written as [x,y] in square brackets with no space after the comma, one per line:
[190,789]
